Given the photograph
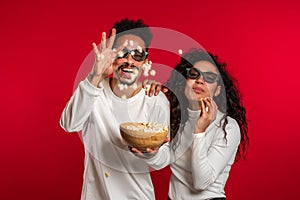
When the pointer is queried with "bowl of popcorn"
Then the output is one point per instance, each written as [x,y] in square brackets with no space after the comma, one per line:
[143,135]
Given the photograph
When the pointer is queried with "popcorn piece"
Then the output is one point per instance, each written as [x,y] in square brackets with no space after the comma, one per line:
[132,53]
[180,51]
[147,67]
[165,128]
[120,54]
[121,86]
[139,48]
[125,44]
[100,56]
[147,88]
[131,43]
[152,72]
[124,96]
[134,86]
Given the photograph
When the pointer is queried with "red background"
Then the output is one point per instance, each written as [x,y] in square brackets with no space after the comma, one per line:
[43,44]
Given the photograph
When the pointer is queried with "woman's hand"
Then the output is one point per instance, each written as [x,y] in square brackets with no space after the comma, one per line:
[104,58]
[208,114]
[152,87]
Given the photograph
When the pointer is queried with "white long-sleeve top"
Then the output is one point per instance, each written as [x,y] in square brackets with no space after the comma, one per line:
[111,171]
[201,163]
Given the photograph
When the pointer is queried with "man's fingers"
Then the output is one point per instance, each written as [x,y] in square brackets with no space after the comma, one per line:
[103,42]
[95,48]
[136,151]
[151,152]
[111,38]
[148,153]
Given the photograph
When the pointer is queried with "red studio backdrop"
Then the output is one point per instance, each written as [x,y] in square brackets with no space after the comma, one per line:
[43,44]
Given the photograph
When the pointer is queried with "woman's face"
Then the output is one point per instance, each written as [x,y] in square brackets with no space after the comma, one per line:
[199,88]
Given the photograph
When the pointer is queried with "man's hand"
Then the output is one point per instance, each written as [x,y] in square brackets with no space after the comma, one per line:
[104,58]
[149,152]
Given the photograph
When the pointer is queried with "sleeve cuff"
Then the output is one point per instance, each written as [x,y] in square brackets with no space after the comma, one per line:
[199,135]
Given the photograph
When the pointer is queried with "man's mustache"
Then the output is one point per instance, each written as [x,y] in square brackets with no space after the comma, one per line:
[126,65]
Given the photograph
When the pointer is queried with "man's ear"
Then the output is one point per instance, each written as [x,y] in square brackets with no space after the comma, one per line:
[218,91]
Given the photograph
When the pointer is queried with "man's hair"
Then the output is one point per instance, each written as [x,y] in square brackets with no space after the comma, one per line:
[134,27]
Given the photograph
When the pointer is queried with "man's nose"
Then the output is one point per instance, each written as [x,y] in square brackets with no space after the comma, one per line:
[129,59]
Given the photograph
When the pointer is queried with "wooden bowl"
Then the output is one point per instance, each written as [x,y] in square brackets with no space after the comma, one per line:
[136,135]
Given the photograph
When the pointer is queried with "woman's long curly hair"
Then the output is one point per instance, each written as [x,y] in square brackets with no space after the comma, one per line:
[228,102]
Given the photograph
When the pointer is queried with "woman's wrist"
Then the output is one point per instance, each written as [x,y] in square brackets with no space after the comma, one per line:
[199,131]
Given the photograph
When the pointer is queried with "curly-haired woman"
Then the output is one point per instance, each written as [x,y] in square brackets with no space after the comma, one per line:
[208,128]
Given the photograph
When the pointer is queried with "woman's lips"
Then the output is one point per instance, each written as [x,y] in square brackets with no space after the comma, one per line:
[198,90]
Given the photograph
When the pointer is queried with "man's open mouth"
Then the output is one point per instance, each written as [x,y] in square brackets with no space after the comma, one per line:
[127,70]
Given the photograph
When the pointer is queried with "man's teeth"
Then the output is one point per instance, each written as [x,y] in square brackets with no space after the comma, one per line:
[128,70]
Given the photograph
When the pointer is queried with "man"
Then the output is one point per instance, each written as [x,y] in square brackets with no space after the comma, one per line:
[102,102]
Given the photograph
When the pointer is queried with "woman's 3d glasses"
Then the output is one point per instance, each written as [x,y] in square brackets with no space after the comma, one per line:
[209,77]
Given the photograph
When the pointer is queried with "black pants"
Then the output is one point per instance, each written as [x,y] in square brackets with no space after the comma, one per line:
[220,198]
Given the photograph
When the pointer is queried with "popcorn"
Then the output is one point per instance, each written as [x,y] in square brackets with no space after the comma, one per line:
[139,48]
[151,127]
[125,44]
[100,56]
[152,72]
[134,86]
[132,53]
[121,86]
[180,51]
[124,96]
[147,67]
[147,87]
[120,54]
[131,43]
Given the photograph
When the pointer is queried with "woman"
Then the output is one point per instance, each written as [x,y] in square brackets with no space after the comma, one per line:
[208,128]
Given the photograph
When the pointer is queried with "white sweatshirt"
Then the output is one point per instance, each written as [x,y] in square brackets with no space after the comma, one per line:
[110,170]
[201,163]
